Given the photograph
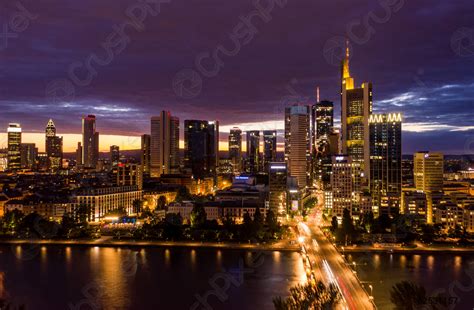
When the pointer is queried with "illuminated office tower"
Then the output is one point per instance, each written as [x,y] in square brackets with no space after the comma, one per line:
[385,161]
[269,148]
[14,146]
[53,146]
[164,144]
[323,121]
[235,149]
[114,155]
[145,154]
[29,151]
[345,186]
[323,139]
[253,151]
[428,171]
[201,142]
[90,142]
[298,143]
[277,183]
[355,111]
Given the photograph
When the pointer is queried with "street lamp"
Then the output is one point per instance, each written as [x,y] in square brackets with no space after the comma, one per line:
[354,263]
[371,291]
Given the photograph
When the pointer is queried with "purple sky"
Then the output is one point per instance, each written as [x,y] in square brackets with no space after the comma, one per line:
[419,56]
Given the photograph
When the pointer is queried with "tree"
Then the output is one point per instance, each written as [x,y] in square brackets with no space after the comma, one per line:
[271,221]
[347,225]
[161,203]
[11,220]
[407,295]
[384,222]
[198,216]
[367,221]
[334,224]
[309,296]
[183,194]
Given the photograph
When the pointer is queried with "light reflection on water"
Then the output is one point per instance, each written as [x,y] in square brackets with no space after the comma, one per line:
[435,272]
[122,278]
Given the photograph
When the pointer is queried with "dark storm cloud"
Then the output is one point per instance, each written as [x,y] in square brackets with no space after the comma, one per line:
[414,58]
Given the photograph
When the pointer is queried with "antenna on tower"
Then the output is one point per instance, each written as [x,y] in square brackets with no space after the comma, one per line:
[317,93]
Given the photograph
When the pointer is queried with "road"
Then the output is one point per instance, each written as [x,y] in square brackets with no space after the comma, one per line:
[328,265]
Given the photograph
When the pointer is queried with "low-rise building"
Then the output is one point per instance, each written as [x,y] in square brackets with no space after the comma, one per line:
[102,200]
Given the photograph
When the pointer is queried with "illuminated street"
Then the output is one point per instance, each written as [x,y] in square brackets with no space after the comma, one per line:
[329,266]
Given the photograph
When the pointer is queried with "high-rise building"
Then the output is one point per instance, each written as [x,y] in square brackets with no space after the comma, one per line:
[345,186]
[114,155]
[29,151]
[53,146]
[428,168]
[269,148]
[323,139]
[355,111]
[323,120]
[428,171]
[298,143]
[129,175]
[164,144]
[90,142]
[14,146]
[277,180]
[235,149]
[253,151]
[385,160]
[146,153]
[201,143]
[79,154]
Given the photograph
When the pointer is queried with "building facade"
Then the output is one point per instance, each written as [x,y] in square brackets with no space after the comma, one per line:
[14,146]
[164,144]
[201,143]
[90,142]
[235,149]
[385,177]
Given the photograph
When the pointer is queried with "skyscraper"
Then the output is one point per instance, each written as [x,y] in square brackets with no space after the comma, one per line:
[269,148]
[90,142]
[277,180]
[79,154]
[253,151]
[53,146]
[355,111]
[385,161]
[29,151]
[164,144]
[428,173]
[145,155]
[345,186]
[298,142]
[323,120]
[235,149]
[201,142]
[14,146]
[114,155]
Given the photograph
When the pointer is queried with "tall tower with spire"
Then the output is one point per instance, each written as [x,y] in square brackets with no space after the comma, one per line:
[53,146]
[347,81]
[356,107]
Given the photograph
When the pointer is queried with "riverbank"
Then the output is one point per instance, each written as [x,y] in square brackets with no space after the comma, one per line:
[411,250]
[110,242]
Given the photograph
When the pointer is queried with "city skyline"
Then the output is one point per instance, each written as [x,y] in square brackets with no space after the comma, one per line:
[432,75]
